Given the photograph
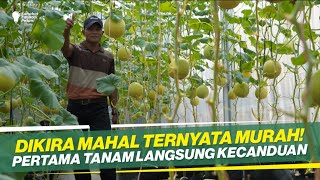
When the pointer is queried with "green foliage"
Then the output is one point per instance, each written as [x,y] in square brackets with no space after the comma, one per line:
[10,69]
[34,70]
[64,118]
[168,7]
[3,4]
[302,59]
[49,30]
[48,59]
[107,84]
[5,18]
[41,91]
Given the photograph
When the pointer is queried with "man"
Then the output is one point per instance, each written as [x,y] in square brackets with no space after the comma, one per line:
[87,62]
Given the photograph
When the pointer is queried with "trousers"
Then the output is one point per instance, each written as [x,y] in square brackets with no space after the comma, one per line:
[96,115]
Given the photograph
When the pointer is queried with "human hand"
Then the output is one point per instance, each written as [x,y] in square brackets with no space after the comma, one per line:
[70,22]
[115,118]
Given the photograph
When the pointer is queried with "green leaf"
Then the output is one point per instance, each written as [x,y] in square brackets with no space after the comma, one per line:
[47,59]
[302,59]
[3,33]
[151,46]
[107,84]
[68,118]
[4,4]
[65,118]
[167,7]
[53,14]
[232,40]
[195,56]
[205,20]
[192,37]
[10,69]
[196,24]
[200,68]
[53,34]
[204,40]
[247,66]
[38,30]
[43,92]
[243,44]
[231,33]
[309,33]
[247,55]
[140,42]
[248,27]
[184,46]
[246,12]
[97,6]
[84,8]
[151,60]
[285,8]
[4,52]
[286,48]
[35,70]
[56,120]
[5,18]
[238,77]
[115,17]
[231,19]
[262,22]
[268,12]
[268,44]
[286,32]
[196,80]
[50,32]
[201,6]
[201,12]
[36,10]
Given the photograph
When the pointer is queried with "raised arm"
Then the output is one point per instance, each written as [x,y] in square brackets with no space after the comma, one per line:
[67,48]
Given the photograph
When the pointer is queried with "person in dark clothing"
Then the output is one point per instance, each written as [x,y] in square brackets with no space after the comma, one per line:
[87,62]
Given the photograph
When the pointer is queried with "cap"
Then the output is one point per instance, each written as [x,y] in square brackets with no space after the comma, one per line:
[91,20]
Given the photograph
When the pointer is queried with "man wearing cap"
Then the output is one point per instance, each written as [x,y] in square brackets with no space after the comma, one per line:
[87,62]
